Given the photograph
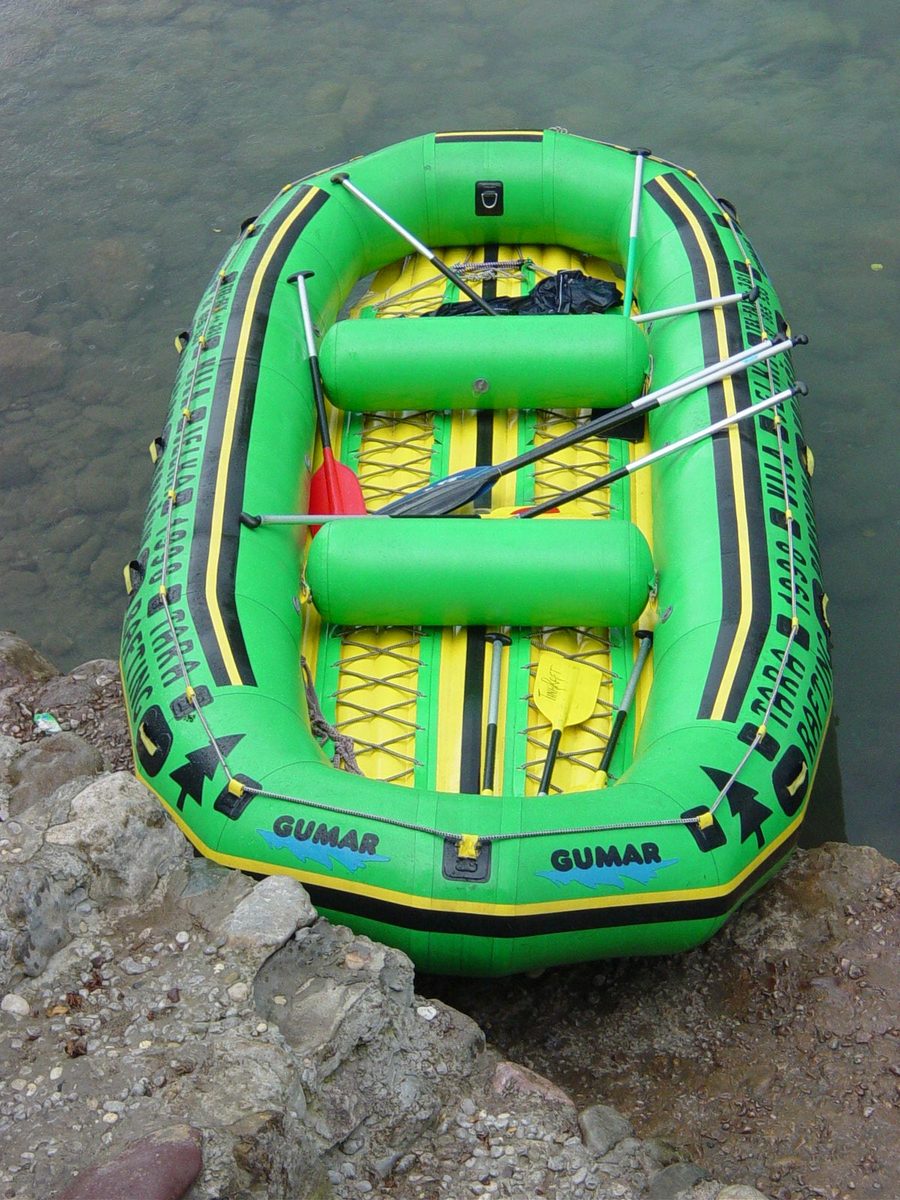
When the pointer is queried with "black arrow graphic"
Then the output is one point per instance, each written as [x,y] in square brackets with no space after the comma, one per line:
[201,764]
[743,803]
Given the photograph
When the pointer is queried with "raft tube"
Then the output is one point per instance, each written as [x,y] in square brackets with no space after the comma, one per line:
[667,810]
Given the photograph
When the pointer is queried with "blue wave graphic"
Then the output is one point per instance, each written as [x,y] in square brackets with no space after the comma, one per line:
[326,856]
[593,877]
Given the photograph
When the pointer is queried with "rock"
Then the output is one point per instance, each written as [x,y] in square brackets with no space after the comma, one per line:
[28,364]
[671,1182]
[511,1077]
[602,1127]
[21,665]
[124,836]
[118,270]
[36,903]
[48,764]
[15,1005]
[740,1191]
[159,1167]
[267,917]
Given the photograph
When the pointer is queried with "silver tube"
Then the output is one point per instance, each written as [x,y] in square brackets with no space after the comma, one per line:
[697,306]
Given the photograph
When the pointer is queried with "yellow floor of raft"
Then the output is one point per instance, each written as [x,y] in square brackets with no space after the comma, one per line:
[396,694]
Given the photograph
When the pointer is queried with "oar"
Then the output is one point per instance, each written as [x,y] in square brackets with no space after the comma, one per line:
[633,232]
[645,636]
[333,488]
[565,693]
[498,642]
[445,495]
[678,310]
[799,389]
[343,179]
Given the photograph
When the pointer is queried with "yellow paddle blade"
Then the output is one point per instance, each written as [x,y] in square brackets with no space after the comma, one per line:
[565,692]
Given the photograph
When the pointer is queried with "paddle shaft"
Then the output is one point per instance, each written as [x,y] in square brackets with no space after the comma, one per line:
[678,310]
[550,762]
[646,642]
[313,358]
[663,452]
[344,181]
[443,496]
[633,231]
[498,642]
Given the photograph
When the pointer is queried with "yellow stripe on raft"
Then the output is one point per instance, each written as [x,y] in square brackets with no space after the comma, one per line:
[737,472]
[215,534]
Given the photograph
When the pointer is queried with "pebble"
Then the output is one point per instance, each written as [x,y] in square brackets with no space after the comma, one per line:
[427,1011]
[182,937]
[15,1004]
[132,967]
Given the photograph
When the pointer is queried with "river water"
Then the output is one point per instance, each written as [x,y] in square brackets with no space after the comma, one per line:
[136,137]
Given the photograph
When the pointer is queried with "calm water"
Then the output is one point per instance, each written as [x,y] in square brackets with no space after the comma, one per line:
[135,137]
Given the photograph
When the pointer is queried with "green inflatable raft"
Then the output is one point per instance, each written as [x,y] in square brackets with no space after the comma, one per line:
[478,588]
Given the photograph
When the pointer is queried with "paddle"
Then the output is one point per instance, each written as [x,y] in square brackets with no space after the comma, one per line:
[498,642]
[799,389]
[645,636]
[565,692]
[445,495]
[333,488]
[343,180]
[678,310]
[633,232]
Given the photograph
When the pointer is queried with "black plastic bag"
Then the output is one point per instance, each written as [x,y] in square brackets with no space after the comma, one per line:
[565,292]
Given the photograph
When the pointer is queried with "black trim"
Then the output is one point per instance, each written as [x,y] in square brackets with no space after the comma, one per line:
[431,920]
[287,230]
[732,599]
[488,137]
[473,687]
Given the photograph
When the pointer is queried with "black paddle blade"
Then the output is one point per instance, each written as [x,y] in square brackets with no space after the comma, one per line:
[444,495]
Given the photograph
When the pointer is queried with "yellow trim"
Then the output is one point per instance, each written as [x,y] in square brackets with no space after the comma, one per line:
[734,445]
[215,535]
[465,133]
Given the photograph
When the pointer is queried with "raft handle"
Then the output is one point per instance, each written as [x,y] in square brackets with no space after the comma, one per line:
[489,198]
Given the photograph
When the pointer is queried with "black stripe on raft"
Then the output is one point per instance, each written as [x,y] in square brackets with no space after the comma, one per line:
[473,712]
[473,686]
[579,920]
[284,229]
[489,136]
[680,211]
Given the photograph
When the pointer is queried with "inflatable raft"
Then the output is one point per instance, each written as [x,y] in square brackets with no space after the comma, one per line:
[526,660]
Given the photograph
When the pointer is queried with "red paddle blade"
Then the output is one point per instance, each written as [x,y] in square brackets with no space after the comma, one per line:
[335,489]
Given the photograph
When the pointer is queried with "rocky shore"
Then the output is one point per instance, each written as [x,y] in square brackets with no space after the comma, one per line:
[170,1028]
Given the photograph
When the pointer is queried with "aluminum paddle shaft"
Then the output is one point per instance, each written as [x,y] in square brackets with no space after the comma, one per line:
[343,180]
[745,414]
[445,495]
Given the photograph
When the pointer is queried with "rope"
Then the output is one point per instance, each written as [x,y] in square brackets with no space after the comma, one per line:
[323,731]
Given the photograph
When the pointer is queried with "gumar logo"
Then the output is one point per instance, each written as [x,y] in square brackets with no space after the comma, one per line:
[325,844]
[593,866]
